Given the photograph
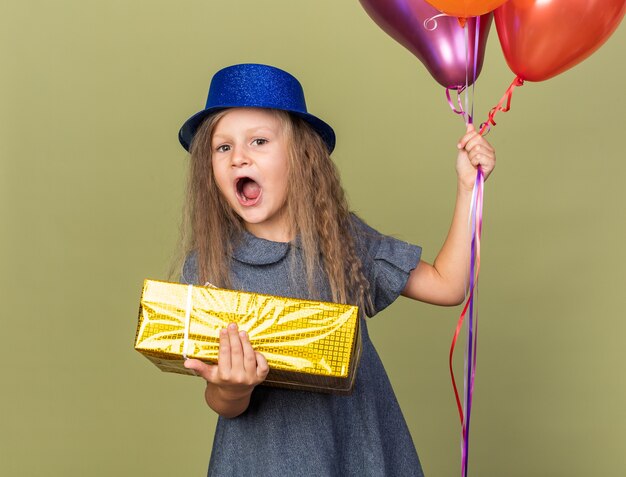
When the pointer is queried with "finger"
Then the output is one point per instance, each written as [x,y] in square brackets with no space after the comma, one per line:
[481,150]
[487,161]
[223,357]
[475,156]
[206,371]
[236,351]
[475,160]
[466,138]
[249,358]
[262,368]
[478,142]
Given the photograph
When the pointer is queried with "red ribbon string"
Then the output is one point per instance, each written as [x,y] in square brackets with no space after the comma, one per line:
[459,325]
[484,127]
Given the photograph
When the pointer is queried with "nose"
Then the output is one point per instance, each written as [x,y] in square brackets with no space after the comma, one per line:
[240,157]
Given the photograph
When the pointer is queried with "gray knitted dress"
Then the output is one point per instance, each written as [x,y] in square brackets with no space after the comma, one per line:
[300,433]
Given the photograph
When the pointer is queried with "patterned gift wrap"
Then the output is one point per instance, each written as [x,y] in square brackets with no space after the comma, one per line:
[309,345]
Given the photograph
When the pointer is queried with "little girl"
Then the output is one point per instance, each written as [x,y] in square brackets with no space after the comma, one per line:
[267,214]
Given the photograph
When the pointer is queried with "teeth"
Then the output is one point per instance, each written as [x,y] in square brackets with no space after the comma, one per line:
[239,189]
[247,189]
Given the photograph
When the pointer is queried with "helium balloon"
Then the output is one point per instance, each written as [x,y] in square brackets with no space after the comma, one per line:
[466,8]
[441,49]
[542,38]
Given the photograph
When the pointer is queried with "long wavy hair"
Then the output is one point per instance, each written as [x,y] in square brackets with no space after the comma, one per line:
[316,209]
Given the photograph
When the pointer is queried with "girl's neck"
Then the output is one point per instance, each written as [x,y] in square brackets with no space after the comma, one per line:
[274,234]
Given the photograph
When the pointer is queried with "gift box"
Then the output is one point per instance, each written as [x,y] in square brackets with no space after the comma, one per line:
[309,345]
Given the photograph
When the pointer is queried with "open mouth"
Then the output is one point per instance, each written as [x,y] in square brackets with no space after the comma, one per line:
[248,191]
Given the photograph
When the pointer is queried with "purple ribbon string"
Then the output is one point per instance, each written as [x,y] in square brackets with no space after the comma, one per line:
[458,108]
[472,328]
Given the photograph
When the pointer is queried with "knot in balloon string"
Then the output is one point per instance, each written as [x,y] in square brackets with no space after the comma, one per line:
[458,109]
[431,24]
[503,105]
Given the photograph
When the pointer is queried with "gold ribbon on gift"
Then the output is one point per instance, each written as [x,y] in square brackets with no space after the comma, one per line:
[309,345]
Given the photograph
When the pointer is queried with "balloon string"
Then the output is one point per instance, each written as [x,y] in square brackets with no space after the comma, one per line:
[473,317]
[472,226]
[475,217]
[459,324]
[458,109]
[476,40]
[433,22]
[468,118]
[472,328]
[486,126]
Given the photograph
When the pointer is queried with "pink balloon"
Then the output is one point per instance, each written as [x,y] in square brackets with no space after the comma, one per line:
[443,49]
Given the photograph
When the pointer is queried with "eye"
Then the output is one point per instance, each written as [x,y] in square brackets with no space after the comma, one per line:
[222,148]
[259,141]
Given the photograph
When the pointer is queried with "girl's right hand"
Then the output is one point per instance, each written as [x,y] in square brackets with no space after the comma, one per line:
[239,368]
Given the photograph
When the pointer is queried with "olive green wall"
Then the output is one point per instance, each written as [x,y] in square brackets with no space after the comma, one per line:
[91,97]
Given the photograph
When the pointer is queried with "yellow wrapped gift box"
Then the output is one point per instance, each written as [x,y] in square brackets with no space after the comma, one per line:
[309,345]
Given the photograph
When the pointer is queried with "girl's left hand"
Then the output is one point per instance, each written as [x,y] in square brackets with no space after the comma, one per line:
[474,151]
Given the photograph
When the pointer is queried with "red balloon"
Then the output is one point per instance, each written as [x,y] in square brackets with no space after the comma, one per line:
[542,38]
[466,8]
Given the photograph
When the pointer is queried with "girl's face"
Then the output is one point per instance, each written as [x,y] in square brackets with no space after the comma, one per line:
[250,166]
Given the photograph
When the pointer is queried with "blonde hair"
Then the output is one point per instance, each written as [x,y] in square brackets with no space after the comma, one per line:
[316,208]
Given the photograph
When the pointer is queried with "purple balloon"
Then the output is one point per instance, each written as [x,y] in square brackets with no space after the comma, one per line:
[442,50]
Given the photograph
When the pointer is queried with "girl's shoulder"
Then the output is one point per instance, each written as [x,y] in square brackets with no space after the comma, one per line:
[361,231]
[373,245]
[387,262]
[367,239]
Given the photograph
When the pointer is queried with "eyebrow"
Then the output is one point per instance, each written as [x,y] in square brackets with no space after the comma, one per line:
[252,130]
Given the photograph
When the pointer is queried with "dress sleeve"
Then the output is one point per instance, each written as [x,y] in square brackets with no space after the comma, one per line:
[189,273]
[387,263]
